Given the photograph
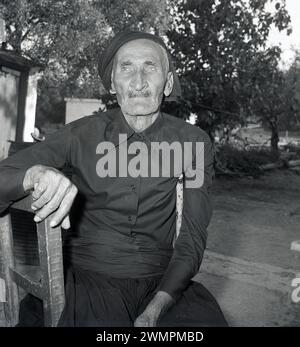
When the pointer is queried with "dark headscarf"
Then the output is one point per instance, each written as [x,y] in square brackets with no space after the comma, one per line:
[107,58]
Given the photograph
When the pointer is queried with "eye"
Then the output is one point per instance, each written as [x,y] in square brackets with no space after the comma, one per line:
[150,67]
[125,68]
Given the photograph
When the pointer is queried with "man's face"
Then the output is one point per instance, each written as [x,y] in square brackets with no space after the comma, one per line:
[140,77]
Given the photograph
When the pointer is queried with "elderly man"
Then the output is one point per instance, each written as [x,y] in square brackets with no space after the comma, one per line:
[122,267]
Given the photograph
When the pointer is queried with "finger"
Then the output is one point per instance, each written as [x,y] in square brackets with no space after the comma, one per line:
[46,196]
[39,189]
[64,207]
[54,203]
[66,223]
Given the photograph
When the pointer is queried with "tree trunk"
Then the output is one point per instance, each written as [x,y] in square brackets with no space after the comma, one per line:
[274,136]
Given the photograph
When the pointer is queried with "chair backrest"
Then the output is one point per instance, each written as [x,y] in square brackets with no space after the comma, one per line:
[179,206]
[47,283]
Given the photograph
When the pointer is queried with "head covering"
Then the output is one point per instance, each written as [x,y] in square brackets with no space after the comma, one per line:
[107,58]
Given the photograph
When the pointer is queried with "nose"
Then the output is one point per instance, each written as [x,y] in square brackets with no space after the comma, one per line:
[139,81]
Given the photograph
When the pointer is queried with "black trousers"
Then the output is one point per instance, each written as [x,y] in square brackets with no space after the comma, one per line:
[93,299]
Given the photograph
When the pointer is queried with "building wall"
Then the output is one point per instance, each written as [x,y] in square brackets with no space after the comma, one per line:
[9,88]
[30,106]
[78,108]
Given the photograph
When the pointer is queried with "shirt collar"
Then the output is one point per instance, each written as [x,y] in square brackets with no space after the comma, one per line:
[121,126]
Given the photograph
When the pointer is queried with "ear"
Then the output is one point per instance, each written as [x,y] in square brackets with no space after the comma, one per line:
[112,85]
[169,84]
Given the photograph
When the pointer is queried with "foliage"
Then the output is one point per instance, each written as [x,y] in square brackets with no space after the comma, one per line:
[147,15]
[215,44]
[273,93]
[219,46]
[270,95]
[231,160]
[291,119]
[67,37]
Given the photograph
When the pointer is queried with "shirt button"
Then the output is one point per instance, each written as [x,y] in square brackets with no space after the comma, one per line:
[130,218]
[133,187]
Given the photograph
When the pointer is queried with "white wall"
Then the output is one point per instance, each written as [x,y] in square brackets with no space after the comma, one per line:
[78,108]
[30,107]
[9,87]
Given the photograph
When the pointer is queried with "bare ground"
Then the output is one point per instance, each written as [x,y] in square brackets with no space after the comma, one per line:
[248,265]
[257,219]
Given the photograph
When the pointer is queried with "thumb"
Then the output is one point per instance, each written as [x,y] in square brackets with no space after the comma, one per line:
[66,222]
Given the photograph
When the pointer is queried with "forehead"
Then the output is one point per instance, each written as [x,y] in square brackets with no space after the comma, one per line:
[140,49]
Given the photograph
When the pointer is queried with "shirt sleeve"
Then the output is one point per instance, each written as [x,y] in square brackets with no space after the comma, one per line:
[196,214]
[51,152]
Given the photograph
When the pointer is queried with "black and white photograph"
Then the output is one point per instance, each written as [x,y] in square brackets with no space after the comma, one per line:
[149,166]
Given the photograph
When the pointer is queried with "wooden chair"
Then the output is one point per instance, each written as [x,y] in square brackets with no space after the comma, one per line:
[47,283]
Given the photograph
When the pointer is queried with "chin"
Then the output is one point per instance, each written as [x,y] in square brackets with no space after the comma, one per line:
[140,108]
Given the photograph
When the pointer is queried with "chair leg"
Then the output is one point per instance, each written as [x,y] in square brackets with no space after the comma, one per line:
[11,306]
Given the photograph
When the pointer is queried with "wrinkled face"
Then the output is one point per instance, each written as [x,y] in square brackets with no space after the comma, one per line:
[140,77]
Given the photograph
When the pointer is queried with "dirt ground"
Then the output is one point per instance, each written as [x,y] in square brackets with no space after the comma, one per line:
[257,219]
[248,264]
[251,265]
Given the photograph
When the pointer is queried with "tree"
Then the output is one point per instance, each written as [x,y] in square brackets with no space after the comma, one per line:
[214,42]
[269,95]
[63,36]
[67,37]
[291,118]
[147,15]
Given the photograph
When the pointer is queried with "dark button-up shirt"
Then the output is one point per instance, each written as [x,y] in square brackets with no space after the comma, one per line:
[124,226]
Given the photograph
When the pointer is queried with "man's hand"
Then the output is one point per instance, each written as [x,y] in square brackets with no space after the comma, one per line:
[157,306]
[52,191]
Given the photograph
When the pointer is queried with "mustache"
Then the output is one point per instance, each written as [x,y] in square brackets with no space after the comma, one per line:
[134,94]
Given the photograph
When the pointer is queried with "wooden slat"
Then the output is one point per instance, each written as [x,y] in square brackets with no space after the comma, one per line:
[25,237]
[11,306]
[24,204]
[51,263]
[50,285]
[28,284]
